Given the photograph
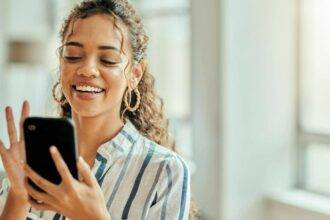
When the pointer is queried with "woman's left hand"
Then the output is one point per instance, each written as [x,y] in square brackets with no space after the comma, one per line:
[72,198]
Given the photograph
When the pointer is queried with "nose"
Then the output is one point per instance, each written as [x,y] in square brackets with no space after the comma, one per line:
[88,69]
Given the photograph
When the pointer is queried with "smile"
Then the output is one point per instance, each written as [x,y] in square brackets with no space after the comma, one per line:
[87,89]
[87,92]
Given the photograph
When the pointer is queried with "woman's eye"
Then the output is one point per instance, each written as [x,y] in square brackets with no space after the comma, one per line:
[108,62]
[72,59]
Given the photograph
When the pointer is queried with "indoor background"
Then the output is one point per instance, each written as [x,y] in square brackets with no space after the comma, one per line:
[246,85]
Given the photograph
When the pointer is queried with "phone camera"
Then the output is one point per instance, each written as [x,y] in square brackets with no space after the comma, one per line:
[32,127]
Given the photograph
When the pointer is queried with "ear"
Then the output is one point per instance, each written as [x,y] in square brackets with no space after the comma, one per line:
[136,74]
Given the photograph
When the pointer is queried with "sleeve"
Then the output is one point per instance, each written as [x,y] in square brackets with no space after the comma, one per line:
[4,193]
[172,198]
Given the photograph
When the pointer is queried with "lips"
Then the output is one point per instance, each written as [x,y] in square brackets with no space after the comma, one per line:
[87,91]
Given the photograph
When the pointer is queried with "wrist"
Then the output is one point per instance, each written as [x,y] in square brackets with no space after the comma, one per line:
[21,200]
[16,207]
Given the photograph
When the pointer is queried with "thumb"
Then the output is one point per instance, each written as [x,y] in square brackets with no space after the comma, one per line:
[85,173]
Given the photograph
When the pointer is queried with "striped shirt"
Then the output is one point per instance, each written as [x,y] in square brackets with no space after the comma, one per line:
[139,179]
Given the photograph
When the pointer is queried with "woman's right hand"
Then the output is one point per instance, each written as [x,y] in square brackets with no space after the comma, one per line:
[13,158]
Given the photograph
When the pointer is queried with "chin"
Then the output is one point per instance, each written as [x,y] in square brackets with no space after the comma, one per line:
[86,110]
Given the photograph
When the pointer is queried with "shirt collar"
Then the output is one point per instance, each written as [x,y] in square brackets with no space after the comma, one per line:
[122,142]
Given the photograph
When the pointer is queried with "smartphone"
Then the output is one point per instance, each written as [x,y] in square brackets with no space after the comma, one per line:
[40,134]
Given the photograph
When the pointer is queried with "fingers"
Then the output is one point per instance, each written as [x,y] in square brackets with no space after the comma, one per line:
[12,133]
[11,128]
[85,172]
[44,184]
[24,114]
[3,149]
[42,206]
[38,196]
[61,166]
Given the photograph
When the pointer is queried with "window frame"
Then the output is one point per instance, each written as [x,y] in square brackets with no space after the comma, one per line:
[304,138]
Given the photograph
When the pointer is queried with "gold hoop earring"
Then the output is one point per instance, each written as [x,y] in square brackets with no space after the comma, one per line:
[59,101]
[128,99]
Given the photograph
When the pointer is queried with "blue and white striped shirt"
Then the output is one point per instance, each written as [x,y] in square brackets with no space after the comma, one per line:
[139,179]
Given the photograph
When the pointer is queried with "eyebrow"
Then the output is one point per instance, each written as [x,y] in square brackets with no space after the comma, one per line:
[103,47]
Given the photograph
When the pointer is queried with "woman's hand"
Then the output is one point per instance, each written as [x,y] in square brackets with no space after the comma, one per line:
[14,157]
[74,199]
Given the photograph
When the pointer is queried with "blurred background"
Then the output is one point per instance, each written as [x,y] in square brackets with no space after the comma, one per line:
[246,85]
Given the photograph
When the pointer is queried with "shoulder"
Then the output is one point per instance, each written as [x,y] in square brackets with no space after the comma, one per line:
[160,156]
[141,146]
[171,172]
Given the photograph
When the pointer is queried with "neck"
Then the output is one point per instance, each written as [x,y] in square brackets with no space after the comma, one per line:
[92,132]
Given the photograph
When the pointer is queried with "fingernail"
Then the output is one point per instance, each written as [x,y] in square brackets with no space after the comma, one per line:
[81,160]
[52,149]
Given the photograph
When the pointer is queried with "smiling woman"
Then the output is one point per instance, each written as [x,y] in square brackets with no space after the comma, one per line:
[128,165]
[87,55]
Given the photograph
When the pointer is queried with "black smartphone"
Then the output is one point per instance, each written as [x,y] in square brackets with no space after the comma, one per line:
[40,134]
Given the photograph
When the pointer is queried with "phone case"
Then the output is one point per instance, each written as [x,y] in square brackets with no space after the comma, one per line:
[40,134]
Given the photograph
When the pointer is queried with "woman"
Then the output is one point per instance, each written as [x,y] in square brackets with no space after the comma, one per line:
[126,172]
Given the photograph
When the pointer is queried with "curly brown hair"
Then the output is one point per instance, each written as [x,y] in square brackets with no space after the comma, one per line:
[149,119]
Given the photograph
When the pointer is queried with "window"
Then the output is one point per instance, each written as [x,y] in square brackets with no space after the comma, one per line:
[314,92]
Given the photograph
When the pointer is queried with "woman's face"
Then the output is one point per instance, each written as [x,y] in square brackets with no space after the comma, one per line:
[92,66]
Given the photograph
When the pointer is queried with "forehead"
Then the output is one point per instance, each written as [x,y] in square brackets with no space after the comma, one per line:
[96,29]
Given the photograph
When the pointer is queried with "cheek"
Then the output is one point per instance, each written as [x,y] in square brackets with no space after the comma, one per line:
[66,75]
[116,84]
[67,69]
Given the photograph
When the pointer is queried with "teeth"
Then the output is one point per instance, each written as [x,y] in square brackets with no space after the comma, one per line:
[88,89]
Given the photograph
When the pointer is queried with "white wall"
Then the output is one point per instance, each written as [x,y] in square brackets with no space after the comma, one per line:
[2,45]
[206,115]
[245,134]
[260,102]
